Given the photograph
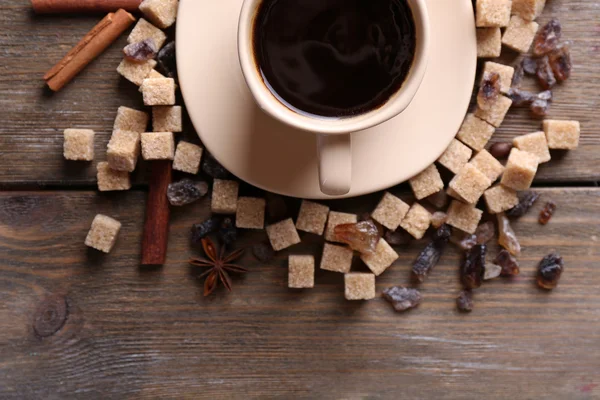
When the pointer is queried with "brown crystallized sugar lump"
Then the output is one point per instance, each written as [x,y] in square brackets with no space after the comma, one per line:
[427,183]
[131,120]
[312,217]
[534,143]
[123,150]
[417,221]
[464,216]
[159,91]
[562,135]
[224,196]
[499,199]
[520,170]
[103,233]
[390,211]
[470,183]
[250,213]
[381,259]
[506,73]
[162,13]
[359,286]
[167,119]
[487,164]
[135,72]
[495,115]
[158,145]
[301,272]
[456,156]
[335,219]
[78,144]
[520,34]
[336,258]
[187,158]
[111,180]
[475,132]
[283,234]
[145,30]
[528,9]
[493,13]
[450,192]
[489,42]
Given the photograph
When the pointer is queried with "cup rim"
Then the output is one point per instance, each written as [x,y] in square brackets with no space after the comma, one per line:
[269,103]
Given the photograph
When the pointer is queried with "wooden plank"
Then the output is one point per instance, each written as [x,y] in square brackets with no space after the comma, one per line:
[33,121]
[132,332]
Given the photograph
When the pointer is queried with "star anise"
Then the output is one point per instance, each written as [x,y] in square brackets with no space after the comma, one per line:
[219,264]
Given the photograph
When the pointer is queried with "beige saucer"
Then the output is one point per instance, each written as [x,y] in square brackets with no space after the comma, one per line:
[280,159]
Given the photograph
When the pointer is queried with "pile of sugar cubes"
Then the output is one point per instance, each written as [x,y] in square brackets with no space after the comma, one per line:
[130,137]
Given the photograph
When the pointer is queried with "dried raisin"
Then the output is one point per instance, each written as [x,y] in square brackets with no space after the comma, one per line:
[521,97]
[489,90]
[464,301]
[560,62]
[430,256]
[508,264]
[501,150]
[203,229]
[228,231]
[545,74]
[526,201]
[263,252]
[529,65]
[141,51]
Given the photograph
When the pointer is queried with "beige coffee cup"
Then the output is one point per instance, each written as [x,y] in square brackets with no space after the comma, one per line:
[334,140]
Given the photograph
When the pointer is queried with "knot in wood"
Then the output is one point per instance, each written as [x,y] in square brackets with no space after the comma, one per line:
[50,315]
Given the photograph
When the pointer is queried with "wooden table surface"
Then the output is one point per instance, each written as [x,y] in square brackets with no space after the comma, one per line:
[132,332]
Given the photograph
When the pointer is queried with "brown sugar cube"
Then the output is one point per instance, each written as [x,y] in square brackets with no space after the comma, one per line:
[145,30]
[450,192]
[417,221]
[103,233]
[475,132]
[335,219]
[167,119]
[456,156]
[250,213]
[489,42]
[381,259]
[390,211]
[78,144]
[520,34]
[224,197]
[520,170]
[187,158]
[506,73]
[427,183]
[111,180]
[500,199]
[283,234]
[495,115]
[155,74]
[158,146]
[562,135]
[493,13]
[159,91]
[123,150]
[528,9]
[464,216]
[301,272]
[135,72]
[162,13]
[130,120]
[359,286]
[336,258]
[470,183]
[312,217]
[534,143]
[487,164]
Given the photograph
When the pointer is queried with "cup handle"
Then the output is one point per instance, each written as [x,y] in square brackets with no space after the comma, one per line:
[335,163]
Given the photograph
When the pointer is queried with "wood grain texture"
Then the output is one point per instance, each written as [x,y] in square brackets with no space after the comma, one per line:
[31,132]
[142,333]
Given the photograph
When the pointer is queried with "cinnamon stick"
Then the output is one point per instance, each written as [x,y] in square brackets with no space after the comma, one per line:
[83,6]
[90,47]
[156,228]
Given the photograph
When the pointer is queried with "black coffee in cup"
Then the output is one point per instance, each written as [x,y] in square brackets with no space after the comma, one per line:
[334,58]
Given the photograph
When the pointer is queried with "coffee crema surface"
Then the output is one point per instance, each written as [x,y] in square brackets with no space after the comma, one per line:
[334,58]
